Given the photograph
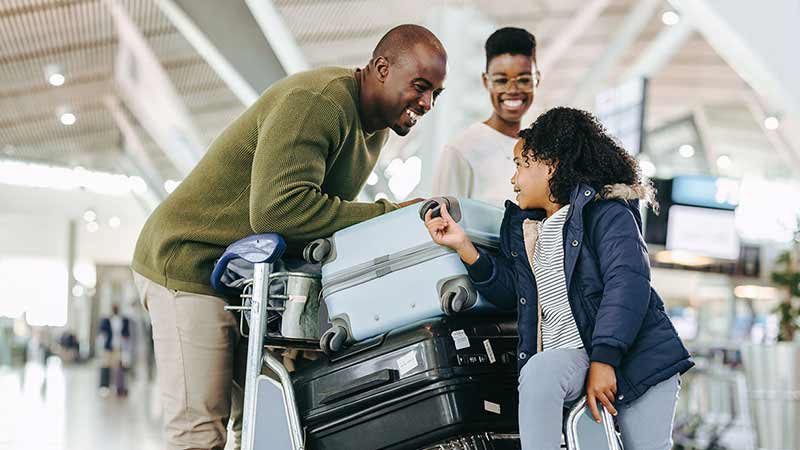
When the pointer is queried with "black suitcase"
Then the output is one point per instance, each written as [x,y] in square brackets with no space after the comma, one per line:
[413,387]
[480,441]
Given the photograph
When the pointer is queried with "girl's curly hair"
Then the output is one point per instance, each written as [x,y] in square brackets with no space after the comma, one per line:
[577,146]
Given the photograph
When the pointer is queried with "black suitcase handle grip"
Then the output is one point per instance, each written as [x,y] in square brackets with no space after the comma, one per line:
[362,384]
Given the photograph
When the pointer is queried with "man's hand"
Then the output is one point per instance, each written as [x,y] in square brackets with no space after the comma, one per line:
[411,202]
[601,386]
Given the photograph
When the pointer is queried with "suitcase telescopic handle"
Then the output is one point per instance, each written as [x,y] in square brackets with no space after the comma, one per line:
[435,204]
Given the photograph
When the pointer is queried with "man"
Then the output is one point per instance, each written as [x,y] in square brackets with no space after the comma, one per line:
[478,162]
[291,164]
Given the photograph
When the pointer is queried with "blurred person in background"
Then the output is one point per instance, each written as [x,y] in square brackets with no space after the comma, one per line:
[68,347]
[114,340]
[477,162]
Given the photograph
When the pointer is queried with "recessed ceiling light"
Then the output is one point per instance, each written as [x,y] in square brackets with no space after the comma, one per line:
[724,162]
[372,180]
[686,150]
[114,222]
[670,18]
[771,123]
[68,119]
[89,215]
[92,227]
[170,185]
[54,75]
[137,184]
[56,79]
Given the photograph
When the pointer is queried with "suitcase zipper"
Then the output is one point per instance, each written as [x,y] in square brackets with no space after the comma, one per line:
[384,265]
[379,267]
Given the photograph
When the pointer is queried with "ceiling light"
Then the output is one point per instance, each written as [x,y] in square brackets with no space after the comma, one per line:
[170,185]
[394,165]
[43,176]
[68,118]
[686,150]
[85,273]
[54,75]
[137,184]
[56,79]
[771,123]
[405,177]
[92,227]
[724,162]
[114,222]
[89,215]
[372,180]
[670,18]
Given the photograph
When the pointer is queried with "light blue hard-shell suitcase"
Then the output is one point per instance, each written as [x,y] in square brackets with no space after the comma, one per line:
[386,272]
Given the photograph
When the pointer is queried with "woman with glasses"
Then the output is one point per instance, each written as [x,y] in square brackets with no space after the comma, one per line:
[477,162]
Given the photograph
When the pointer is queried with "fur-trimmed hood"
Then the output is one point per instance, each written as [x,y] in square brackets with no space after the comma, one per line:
[643,191]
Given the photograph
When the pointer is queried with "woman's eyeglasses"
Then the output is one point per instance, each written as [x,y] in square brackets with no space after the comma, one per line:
[524,83]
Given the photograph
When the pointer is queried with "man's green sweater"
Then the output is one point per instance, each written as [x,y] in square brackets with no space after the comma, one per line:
[291,164]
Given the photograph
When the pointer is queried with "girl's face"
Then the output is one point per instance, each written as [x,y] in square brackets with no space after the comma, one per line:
[531,181]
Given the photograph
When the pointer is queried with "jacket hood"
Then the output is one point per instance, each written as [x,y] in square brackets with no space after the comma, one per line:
[642,191]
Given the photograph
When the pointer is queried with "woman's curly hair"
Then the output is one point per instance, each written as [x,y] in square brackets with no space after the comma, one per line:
[577,146]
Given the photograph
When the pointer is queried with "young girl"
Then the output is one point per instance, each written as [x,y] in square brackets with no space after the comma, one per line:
[573,262]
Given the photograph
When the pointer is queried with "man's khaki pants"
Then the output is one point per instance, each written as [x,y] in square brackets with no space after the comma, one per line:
[195,339]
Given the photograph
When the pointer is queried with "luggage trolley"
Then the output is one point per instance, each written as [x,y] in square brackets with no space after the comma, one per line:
[275,425]
[271,426]
[271,419]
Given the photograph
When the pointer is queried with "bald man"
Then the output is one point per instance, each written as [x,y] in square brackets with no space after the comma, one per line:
[292,164]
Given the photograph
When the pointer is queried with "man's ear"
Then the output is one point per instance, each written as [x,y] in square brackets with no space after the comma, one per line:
[381,68]
[485,80]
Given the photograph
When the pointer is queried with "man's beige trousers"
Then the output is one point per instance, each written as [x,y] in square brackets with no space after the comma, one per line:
[195,341]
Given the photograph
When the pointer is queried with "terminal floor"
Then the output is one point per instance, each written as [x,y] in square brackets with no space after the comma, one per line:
[59,407]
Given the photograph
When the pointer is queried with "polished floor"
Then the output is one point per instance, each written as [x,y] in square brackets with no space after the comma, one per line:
[59,407]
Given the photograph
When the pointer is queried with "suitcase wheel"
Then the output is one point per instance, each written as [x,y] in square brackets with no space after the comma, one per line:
[454,301]
[317,251]
[333,340]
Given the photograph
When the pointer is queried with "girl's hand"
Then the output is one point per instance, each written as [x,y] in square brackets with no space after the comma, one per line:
[445,231]
[601,386]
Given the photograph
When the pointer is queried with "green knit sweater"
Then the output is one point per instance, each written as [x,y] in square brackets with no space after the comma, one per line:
[291,164]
